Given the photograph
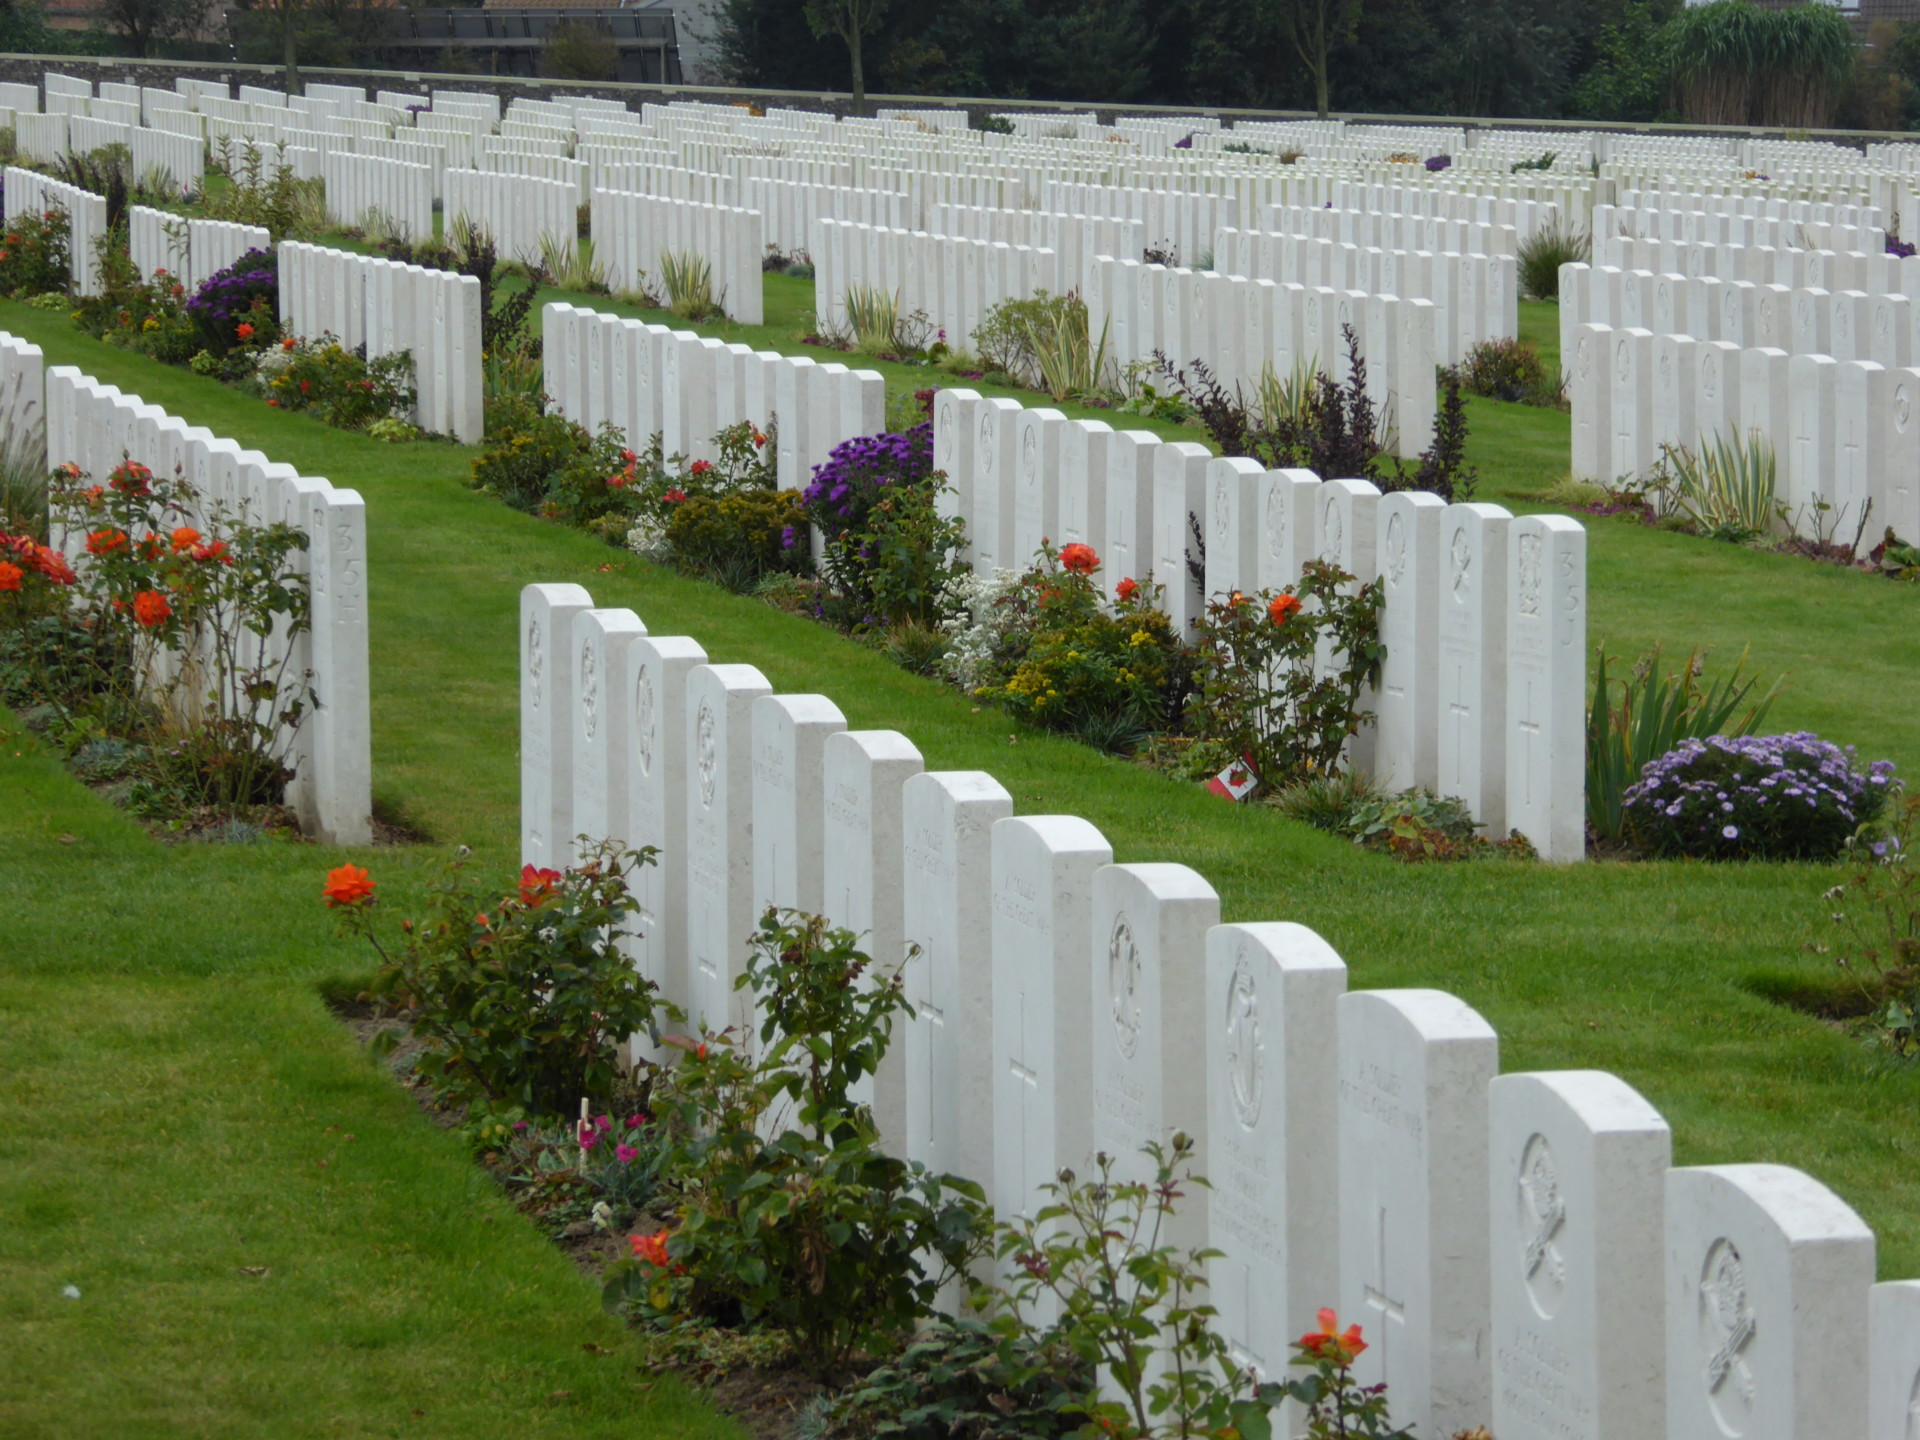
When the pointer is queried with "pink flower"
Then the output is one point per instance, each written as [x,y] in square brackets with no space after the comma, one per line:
[604,1122]
[626,1153]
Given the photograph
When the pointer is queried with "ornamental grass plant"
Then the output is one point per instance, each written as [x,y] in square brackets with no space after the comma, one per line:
[1638,717]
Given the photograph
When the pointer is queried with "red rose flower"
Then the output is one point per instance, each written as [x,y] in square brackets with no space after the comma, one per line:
[243,330]
[10,575]
[701,467]
[1079,559]
[151,608]
[348,886]
[1126,589]
[1283,606]
[536,884]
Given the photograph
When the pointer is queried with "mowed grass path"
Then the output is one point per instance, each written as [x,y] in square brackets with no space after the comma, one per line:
[172,1077]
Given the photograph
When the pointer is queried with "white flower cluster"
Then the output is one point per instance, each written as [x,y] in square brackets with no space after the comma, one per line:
[272,361]
[648,540]
[975,623]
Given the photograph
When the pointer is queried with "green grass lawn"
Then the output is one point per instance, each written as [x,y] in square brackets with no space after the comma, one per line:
[172,1076]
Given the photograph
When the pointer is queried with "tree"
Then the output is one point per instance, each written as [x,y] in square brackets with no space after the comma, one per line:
[852,21]
[576,50]
[146,23]
[1316,28]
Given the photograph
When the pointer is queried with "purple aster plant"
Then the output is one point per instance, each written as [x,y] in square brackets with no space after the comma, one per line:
[1756,797]
[861,472]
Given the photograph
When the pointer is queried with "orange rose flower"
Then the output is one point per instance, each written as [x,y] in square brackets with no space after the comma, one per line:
[1079,559]
[151,608]
[52,564]
[1126,589]
[536,884]
[1282,607]
[185,538]
[652,1249]
[1329,1343]
[244,330]
[10,575]
[288,343]
[349,886]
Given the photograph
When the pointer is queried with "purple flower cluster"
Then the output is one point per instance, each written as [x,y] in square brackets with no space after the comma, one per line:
[1439,162]
[1771,797]
[861,471]
[1900,248]
[229,294]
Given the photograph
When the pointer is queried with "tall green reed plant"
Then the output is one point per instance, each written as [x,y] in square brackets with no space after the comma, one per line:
[1638,717]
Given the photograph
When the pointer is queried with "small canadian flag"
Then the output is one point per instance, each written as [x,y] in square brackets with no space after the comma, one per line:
[1236,782]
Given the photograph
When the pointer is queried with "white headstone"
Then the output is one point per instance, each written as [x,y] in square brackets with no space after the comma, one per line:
[1767,1271]
[1179,500]
[1579,1168]
[1407,746]
[1289,524]
[546,721]
[1472,644]
[1130,467]
[864,771]
[789,743]
[1232,527]
[947,903]
[1414,1070]
[657,805]
[1270,1043]
[602,677]
[1148,962]
[1042,887]
[1546,683]
[721,918]
[1893,1360]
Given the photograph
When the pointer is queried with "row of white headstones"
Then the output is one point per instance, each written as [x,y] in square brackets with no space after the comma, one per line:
[1844,432]
[189,250]
[62,415]
[389,307]
[647,380]
[1518,1247]
[1240,327]
[1484,616]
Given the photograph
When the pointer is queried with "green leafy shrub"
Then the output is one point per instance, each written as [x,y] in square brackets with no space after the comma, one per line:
[792,1216]
[1878,919]
[1258,688]
[1328,426]
[525,449]
[337,386]
[1508,370]
[1042,338]
[524,998]
[966,1377]
[107,658]
[34,255]
[740,538]
[1047,647]
[1637,718]
[1131,1303]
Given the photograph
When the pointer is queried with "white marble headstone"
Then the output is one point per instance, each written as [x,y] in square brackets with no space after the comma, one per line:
[1414,1070]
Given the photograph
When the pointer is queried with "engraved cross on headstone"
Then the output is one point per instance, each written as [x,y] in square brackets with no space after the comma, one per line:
[1388,1311]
